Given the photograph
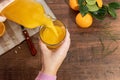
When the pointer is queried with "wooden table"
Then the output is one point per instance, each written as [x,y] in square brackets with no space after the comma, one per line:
[94,53]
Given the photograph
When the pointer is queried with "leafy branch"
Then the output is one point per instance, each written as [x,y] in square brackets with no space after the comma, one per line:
[90,6]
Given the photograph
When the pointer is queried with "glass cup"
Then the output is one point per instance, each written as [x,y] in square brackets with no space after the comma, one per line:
[52,40]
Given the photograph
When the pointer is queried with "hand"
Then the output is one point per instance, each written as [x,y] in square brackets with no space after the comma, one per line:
[3,4]
[51,60]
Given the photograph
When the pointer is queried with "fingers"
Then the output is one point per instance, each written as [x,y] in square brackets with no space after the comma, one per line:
[67,40]
[66,44]
[68,34]
[42,45]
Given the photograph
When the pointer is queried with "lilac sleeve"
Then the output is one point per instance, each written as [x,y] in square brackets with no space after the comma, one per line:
[43,76]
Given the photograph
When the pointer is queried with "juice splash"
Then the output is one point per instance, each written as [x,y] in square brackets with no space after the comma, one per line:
[28,13]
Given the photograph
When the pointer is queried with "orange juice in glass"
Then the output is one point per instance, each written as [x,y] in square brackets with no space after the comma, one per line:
[48,36]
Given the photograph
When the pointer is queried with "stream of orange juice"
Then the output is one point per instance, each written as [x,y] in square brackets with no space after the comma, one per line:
[30,14]
[48,36]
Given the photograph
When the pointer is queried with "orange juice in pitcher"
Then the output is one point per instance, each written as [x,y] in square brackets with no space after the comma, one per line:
[28,13]
[31,14]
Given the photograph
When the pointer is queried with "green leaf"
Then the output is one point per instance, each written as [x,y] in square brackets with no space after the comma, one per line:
[83,8]
[91,2]
[81,2]
[112,12]
[100,14]
[92,7]
[115,5]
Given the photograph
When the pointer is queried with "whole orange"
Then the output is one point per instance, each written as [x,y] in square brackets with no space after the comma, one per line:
[100,3]
[74,4]
[84,21]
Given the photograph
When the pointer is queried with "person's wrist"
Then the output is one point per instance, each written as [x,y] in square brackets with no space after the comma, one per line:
[49,72]
[44,76]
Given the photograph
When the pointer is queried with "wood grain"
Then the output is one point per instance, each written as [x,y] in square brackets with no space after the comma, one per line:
[89,56]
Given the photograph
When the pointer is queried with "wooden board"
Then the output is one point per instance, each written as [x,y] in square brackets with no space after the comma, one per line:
[13,35]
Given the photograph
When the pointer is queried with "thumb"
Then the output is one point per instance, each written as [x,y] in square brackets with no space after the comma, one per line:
[2,18]
[43,46]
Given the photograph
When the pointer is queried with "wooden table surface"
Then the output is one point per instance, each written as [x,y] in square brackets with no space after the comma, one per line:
[94,53]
